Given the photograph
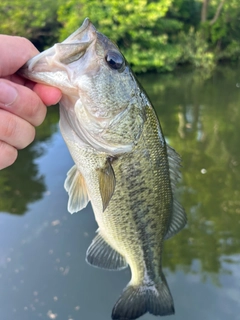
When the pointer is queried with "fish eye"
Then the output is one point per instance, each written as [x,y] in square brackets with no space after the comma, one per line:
[115,60]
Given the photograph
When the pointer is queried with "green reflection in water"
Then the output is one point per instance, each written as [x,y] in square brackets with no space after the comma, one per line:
[21,184]
[200,118]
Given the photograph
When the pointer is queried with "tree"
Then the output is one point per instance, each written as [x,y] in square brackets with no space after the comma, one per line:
[35,20]
[154,35]
[204,12]
[140,28]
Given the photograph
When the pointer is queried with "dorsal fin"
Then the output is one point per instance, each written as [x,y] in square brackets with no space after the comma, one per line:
[179,218]
[100,254]
[77,190]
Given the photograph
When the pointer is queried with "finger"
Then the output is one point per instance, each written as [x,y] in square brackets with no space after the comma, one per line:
[8,155]
[15,51]
[15,131]
[22,102]
[49,95]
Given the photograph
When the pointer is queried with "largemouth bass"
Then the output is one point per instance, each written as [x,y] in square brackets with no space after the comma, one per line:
[122,164]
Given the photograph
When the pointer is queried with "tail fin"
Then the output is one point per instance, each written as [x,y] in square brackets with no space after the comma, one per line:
[135,301]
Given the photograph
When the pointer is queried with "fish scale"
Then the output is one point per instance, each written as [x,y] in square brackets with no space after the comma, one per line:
[134,206]
[123,165]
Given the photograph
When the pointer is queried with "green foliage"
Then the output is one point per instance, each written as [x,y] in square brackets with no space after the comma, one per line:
[139,28]
[159,35]
[225,32]
[196,50]
[35,20]
[154,35]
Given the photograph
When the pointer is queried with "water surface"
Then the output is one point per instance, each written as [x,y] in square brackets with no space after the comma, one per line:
[43,273]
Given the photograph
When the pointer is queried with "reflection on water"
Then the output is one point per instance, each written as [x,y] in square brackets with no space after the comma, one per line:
[207,115]
[22,183]
[43,273]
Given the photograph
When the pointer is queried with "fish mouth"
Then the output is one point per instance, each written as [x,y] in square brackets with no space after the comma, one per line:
[49,66]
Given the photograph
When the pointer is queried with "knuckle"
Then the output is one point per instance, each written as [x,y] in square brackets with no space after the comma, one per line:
[15,131]
[35,111]
[24,41]
[32,134]
[42,117]
[28,138]
[30,48]
[8,155]
[32,109]
[10,127]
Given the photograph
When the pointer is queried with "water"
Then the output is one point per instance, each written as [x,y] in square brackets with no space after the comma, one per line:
[43,273]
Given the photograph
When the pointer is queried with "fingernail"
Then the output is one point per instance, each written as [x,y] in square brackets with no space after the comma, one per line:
[8,94]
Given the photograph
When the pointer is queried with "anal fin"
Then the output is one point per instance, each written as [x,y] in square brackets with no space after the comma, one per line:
[77,190]
[100,254]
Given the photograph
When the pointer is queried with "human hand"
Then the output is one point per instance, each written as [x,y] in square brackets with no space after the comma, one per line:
[22,102]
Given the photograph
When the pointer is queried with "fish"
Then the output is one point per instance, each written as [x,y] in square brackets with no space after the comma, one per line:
[122,164]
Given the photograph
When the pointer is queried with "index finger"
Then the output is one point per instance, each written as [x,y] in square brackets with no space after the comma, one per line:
[15,51]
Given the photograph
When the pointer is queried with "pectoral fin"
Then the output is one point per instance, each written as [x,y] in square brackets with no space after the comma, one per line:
[77,190]
[107,183]
[100,254]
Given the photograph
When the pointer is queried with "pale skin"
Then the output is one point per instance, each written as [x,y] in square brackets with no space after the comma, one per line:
[22,102]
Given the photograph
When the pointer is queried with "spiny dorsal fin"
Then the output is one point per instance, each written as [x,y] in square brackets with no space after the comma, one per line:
[107,183]
[77,190]
[100,254]
[179,218]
